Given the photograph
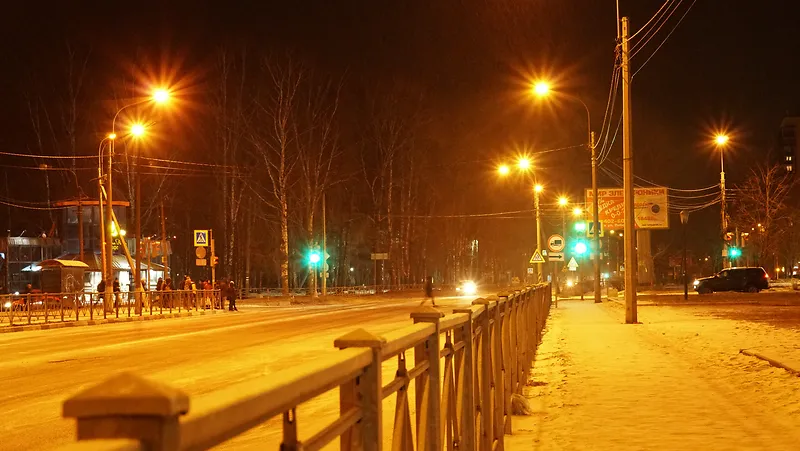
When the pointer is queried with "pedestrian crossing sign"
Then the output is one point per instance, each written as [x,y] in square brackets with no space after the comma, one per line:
[536,257]
[201,237]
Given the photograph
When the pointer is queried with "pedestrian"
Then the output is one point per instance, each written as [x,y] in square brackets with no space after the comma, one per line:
[116,290]
[429,291]
[168,292]
[159,289]
[232,297]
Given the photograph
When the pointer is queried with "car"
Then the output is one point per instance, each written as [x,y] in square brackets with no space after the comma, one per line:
[751,280]
[467,287]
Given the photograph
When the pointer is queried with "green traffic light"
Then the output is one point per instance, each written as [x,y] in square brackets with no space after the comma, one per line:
[580,248]
[580,226]
[735,252]
[314,257]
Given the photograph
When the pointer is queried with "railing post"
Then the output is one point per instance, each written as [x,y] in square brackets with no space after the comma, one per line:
[431,438]
[487,416]
[364,392]
[28,306]
[499,385]
[509,357]
[466,385]
[131,407]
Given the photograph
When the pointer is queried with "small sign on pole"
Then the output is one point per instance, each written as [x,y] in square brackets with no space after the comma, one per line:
[201,237]
[572,265]
[536,257]
[556,243]
[556,257]
[200,262]
[200,252]
[380,256]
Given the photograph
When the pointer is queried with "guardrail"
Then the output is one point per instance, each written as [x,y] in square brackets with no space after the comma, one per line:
[45,308]
[466,367]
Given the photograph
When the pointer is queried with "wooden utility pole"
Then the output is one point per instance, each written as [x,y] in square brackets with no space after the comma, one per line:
[213,254]
[324,250]
[137,277]
[164,259]
[631,267]
[595,220]
[101,217]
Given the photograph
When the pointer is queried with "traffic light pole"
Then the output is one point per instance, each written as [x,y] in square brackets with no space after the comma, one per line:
[213,266]
[538,235]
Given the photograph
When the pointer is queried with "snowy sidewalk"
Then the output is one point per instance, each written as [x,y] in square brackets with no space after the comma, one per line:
[599,384]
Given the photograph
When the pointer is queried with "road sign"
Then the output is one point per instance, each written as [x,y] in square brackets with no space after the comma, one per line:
[201,237]
[530,270]
[556,257]
[650,207]
[590,230]
[200,252]
[536,257]
[380,256]
[572,265]
[200,262]
[556,243]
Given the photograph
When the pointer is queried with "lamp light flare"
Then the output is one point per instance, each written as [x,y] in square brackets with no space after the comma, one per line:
[112,136]
[577,211]
[503,169]
[541,88]
[524,163]
[538,188]
[161,95]
[721,139]
[563,201]
[137,130]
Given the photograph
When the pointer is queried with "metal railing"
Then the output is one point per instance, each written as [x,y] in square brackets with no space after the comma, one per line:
[46,308]
[466,367]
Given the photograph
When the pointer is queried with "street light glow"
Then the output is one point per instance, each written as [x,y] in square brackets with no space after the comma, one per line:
[541,88]
[161,95]
[538,188]
[112,136]
[721,139]
[524,163]
[577,211]
[137,129]
[563,201]
[503,169]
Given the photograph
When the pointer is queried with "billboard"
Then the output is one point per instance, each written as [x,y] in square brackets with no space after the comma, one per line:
[650,207]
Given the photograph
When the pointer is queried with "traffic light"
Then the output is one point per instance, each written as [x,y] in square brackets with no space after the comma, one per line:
[580,227]
[580,248]
[735,252]
[214,260]
[314,257]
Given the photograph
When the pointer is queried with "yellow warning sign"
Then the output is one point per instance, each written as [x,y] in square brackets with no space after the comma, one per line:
[536,257]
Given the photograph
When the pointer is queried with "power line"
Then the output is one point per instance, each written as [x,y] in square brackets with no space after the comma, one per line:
[52,157]
[665,39]
[653,31]
[651,19]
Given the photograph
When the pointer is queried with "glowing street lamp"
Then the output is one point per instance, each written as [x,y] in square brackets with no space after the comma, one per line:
[563,201]
[577,211]
[538,188]
[524,163]
[541,88]
[721,140]
[161,95]
[137,130]
[503,170]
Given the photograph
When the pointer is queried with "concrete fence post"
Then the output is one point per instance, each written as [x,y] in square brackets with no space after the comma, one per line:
[130,407]
[429,435]
[486,432]
[468,425]
[364,392]
[507,358]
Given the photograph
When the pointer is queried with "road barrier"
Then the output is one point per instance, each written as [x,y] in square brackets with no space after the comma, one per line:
[355,290]
[46,308]
[466,367]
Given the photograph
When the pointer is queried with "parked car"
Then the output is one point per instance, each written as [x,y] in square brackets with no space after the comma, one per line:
[751,280]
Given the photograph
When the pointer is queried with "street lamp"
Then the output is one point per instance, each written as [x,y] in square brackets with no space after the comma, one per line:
[721,142]
[159,96]
[563,202]
[524,163]
[503,170]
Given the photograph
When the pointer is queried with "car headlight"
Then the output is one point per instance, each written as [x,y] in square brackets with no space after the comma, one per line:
[696,283]
[7,304]
[470,288]
[570,283]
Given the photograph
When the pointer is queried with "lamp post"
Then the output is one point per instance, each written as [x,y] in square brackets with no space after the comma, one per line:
[563,202]
[684,221]
[525,165]
[542,89]
[721,141]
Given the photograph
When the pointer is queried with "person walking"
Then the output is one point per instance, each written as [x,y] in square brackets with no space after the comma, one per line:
[232,297]
[429,291]
[117,291]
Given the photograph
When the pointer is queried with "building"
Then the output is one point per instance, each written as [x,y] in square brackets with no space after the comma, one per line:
[789,143]
[17,253]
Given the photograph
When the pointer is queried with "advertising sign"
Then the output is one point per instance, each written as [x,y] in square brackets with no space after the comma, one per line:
[650,207]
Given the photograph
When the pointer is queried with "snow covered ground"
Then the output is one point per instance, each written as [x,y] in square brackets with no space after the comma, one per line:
[677,381]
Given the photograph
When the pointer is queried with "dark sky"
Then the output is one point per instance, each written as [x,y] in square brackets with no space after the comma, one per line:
[731,63]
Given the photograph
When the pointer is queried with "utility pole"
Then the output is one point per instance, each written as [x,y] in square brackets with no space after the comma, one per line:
[596,221]
[723,212]
[324,250]
[631,267]
[248,251]
[538,232]
[164,260]
[102,219]
[213,254]
[81,244]
[137,278]
[110,226]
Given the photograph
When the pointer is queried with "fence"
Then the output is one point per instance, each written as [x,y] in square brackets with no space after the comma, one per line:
[466,367]
[45,308]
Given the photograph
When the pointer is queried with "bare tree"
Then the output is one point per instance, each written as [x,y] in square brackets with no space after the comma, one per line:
[761,204]
[272,136]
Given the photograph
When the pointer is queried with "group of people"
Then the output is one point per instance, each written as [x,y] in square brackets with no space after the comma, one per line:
[186,293]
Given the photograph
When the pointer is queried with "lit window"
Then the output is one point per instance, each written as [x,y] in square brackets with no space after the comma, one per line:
[788,168]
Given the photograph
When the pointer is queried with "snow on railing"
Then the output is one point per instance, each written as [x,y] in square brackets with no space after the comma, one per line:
[466,367]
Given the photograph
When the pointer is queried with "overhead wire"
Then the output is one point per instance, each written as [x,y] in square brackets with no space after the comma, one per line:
[651,19]
[663,17]
[665,39]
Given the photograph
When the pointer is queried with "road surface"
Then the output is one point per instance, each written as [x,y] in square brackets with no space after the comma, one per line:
[198,354]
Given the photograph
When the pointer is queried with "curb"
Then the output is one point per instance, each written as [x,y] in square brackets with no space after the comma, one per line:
[771,361]
[95,322]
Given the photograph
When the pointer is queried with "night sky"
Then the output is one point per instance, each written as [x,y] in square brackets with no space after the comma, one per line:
[728,65]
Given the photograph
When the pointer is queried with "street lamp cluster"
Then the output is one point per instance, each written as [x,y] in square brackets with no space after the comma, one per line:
[110,227]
